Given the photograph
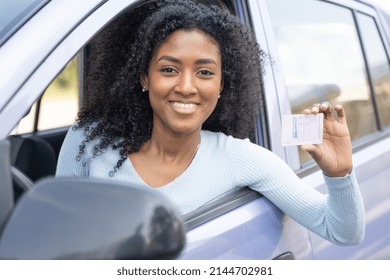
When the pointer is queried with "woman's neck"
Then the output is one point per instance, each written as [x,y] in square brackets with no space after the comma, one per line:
[164,157]
[170,147]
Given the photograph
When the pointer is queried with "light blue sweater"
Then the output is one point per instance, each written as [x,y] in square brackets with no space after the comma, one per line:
[224,163]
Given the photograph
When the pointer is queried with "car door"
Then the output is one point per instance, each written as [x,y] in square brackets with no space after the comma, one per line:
[336,51]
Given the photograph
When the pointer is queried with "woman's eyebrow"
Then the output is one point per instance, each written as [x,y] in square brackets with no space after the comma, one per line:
[206,61]
[169,58]
[178,61]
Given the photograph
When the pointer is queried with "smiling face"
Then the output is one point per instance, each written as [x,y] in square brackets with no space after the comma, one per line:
[184,81]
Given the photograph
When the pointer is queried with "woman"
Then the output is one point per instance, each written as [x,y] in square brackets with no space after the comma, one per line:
[191,78]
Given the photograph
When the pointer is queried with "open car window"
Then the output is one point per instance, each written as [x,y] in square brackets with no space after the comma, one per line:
[58,105]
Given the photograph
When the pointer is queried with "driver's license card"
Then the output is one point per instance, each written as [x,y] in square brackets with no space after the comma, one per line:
[302,129]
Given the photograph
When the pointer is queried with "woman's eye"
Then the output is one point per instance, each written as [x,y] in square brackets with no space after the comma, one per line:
[205,73]
[168,70]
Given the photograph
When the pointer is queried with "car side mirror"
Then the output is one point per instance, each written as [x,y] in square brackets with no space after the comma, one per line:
[83,218]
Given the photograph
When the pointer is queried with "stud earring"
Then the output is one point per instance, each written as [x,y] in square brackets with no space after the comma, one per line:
[144,89]
[219,96]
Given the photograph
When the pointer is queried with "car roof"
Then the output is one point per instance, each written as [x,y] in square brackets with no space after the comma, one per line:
[14,13]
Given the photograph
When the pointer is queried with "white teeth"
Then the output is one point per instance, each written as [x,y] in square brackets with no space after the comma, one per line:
[184,108]
[184,105]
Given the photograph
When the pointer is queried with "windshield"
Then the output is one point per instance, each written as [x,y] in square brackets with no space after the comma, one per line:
[14,13]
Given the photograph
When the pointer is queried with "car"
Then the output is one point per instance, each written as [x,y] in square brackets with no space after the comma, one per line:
[335,51]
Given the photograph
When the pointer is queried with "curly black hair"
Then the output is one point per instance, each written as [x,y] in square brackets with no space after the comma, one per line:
[119,115]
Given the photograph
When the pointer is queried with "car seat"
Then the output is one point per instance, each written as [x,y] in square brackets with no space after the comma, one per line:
[32,156]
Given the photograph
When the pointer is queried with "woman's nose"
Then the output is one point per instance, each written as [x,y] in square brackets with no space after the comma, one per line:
[186,84]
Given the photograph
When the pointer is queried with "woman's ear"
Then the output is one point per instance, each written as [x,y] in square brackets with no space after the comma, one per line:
[221,87]
[144,81]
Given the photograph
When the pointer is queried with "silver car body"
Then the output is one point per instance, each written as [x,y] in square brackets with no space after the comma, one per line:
[250,226]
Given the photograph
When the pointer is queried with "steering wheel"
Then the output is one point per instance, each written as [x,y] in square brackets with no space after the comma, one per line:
[20,181]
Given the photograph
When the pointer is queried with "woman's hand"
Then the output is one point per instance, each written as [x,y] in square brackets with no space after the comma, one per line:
[334,155]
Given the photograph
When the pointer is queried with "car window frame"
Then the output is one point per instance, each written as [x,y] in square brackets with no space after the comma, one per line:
[36,110]
[380,125]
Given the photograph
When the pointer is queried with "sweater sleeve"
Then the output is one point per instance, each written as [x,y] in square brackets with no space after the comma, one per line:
[69,162]
[337,216]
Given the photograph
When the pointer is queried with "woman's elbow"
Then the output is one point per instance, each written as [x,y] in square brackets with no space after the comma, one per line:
[355,237]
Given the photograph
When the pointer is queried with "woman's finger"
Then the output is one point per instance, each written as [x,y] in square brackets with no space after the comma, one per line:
[341,113]
[327,109]
[315,109]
